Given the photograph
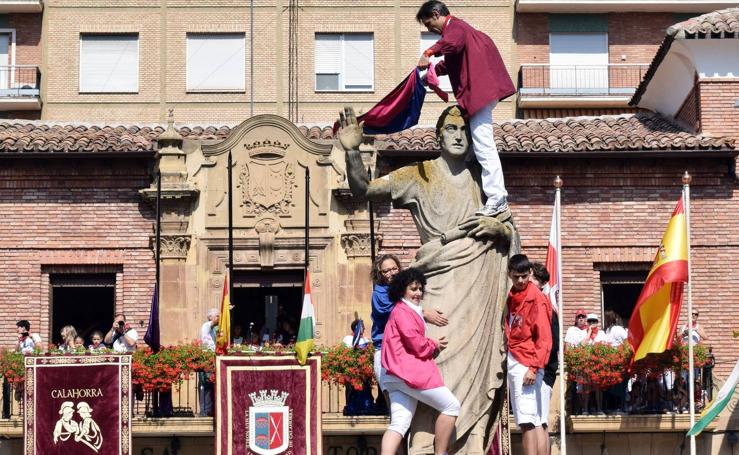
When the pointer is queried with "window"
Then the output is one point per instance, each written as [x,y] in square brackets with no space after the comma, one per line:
[109,63]
[216,62]
[344,61]
[427,40]
[578,63]
[620,291]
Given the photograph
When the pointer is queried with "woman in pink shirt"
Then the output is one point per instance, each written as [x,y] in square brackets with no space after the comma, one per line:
[410,374]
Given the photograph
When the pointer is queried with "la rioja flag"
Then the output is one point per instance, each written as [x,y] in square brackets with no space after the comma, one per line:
[307,329]
[554,261]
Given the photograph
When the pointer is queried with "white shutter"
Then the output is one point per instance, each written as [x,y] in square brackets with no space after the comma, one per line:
[109,63]
[427,40]
[328,53]
[216,62]
[358,61]
[578,63]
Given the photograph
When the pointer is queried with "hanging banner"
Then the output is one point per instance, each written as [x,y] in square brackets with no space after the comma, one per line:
[77,405]
[268,405]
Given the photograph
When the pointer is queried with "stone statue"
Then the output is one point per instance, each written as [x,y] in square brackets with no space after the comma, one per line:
[464,258]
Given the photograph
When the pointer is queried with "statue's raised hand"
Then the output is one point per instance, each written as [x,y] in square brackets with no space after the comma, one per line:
[350,131]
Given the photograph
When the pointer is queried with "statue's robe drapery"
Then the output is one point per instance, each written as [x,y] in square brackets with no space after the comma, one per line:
[467,281]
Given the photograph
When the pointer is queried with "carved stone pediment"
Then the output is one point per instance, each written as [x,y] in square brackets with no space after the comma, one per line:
[269,157]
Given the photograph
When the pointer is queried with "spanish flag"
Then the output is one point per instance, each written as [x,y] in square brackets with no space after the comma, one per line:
[654,320]
[223,336]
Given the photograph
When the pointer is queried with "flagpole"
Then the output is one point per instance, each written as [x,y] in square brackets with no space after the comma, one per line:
[307,219]
[560,311]
[371,209]
[691,374]
[157,256]
[230,230]
[159,230]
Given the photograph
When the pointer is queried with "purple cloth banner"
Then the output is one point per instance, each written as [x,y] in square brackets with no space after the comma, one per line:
[77,405]
[268,405]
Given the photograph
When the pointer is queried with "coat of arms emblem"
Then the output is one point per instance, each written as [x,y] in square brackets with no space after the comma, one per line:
[269,422]
[267,182]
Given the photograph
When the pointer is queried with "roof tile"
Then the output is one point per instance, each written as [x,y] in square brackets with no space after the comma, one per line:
[630,132]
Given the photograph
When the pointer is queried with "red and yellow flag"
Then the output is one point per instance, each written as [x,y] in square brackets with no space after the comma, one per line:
[223,336]
[654,320]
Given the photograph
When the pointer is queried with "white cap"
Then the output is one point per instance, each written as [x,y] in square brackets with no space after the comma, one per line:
[592,316]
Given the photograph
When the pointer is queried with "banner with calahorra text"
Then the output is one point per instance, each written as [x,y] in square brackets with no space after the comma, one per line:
[268,405]
[77,405]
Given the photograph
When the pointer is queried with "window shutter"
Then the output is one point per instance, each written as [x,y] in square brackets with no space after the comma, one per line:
[109,63]
[216,62]
[328,53]
[427,40]
[358,61]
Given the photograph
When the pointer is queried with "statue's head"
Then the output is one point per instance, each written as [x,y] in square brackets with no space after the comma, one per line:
[452,132]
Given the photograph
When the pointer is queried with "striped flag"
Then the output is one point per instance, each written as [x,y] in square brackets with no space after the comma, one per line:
[718,404]
[223,336]
[304,342]
[654,320]
[357,336]
[553,263]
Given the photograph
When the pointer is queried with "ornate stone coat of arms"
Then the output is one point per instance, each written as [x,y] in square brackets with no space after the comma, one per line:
[267,180]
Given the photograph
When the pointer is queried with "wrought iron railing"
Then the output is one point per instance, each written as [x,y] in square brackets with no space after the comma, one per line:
[20,81]
[579,80]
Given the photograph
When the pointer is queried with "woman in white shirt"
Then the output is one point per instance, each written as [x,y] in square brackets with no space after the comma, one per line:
[616,335]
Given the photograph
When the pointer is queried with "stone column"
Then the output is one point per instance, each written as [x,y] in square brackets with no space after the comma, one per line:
[177,324]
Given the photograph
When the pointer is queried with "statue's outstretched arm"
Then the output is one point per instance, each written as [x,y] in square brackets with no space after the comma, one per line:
[350,136]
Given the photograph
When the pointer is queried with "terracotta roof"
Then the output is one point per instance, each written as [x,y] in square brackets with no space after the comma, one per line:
[629,132]
[723,23]
[25,136]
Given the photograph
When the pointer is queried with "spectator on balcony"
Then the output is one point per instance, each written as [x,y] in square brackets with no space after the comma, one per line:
[697,332]
[121,335]
[208,339]
[578,332]
[479,80]
[238,337]
[208,330]
[69,335]
[27,342]
[616,334]
[97,342]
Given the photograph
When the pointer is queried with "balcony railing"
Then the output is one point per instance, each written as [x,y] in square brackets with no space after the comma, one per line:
[20,81]
[579,80]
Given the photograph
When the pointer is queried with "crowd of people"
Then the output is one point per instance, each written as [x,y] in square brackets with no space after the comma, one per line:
[120,338]
[406,372]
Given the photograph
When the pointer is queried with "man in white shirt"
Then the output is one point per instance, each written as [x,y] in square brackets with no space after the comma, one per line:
[208,339]
[121,336]
[578,332]
[27,341]
[208,329]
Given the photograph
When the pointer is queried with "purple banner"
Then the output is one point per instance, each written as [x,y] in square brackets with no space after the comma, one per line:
[77,405]
[268,405]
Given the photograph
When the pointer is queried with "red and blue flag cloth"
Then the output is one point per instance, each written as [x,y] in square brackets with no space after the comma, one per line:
[401,108]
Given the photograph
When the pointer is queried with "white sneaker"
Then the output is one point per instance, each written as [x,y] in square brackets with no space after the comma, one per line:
[492,210]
